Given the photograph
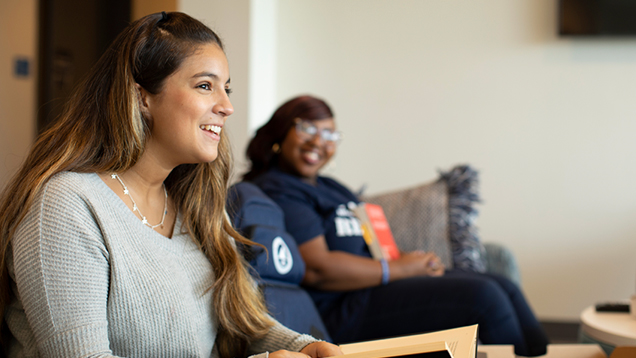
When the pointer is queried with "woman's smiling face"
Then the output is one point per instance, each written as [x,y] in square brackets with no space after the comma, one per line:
[304,154]
[187,116]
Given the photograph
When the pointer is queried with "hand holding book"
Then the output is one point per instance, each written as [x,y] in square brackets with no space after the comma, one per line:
[320,350]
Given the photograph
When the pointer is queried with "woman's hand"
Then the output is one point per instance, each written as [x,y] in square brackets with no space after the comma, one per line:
[416,263]
[287,354]
[321,349]
[312,350]
[435,266]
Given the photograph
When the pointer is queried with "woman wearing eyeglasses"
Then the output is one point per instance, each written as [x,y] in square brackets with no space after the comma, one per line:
[360,298]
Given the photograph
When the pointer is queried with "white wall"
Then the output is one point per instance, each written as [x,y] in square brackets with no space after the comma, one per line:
[422,85]
[17,94]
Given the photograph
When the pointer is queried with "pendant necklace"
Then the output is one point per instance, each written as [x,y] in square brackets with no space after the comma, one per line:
[136,208]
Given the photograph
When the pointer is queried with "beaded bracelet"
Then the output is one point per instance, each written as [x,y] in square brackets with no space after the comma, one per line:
[385,271]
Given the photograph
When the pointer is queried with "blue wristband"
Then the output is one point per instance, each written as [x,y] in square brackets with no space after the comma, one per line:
[385,271]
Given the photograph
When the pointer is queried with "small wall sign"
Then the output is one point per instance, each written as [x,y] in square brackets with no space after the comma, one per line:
[21,67]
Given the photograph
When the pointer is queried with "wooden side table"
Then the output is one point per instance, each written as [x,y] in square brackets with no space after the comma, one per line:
[608,328]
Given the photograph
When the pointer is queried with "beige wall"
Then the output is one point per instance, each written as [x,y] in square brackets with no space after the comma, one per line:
[18,39]
[141,8]
[549,122]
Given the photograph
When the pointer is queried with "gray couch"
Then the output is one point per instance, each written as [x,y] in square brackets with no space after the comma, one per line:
[440,216]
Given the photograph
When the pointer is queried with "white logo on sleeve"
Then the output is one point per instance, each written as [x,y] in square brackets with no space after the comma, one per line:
[283,260]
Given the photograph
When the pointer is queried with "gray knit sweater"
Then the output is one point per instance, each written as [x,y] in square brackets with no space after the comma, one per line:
[89,280]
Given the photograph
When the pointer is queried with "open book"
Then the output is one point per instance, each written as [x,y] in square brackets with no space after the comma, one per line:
[452,343]
[376,231]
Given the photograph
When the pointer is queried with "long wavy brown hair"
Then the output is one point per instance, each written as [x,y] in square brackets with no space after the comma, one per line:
[102,130]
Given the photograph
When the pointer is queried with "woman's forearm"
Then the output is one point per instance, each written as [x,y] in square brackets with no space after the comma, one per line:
[341,271]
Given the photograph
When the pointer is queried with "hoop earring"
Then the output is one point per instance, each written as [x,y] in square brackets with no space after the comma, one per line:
[276,148]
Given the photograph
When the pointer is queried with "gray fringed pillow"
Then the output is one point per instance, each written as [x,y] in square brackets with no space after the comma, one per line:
[463,194]
[438,216]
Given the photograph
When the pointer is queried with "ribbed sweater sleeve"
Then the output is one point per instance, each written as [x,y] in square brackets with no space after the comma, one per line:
[62,270]
[281,337]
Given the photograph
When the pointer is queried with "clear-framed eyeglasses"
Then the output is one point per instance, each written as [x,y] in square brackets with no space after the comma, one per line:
[307,130]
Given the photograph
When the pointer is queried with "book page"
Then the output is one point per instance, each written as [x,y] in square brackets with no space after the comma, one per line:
[433,349]
[368,233]
[452,346]
[461,341]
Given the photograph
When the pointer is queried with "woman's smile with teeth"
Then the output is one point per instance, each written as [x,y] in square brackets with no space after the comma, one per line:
[311,157]
[211,128]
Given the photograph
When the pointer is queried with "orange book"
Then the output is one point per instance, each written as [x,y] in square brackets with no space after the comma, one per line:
[376,232]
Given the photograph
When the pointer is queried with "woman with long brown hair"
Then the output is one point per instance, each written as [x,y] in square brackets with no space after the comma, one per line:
[114,239]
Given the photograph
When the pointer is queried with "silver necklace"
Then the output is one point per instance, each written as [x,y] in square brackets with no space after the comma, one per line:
[136,208]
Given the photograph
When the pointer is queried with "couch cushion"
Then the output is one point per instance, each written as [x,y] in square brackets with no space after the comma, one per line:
[438,216]
[463,194]
[293,307]
[418,218]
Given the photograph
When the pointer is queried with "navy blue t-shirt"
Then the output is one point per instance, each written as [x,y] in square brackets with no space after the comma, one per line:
[323,209]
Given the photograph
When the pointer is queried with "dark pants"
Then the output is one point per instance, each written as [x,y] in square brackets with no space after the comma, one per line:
[424,304]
